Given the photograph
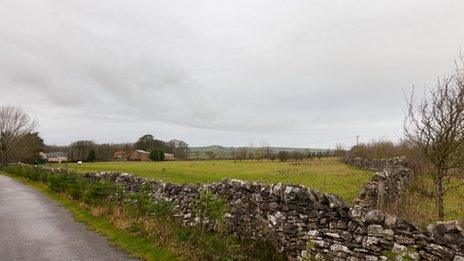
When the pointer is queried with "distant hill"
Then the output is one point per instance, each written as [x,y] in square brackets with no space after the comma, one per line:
[228,152]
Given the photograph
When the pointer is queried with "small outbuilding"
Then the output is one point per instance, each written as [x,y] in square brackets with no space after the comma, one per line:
[140,155]
[57,157]
[169,156]
[120,155]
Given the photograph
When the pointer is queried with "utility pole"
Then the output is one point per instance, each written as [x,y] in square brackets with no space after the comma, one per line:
[357,140]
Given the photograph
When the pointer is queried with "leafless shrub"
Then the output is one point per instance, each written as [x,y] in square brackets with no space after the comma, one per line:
[380,149]
[434,127]
[14,125]
[339,150]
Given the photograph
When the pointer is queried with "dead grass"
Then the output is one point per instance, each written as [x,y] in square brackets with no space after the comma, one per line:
[422,210]
[149,227]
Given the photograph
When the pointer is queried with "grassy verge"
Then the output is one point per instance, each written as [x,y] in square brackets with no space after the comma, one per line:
[138,247]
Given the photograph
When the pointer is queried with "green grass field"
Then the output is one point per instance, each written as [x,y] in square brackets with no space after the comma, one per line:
[327,174]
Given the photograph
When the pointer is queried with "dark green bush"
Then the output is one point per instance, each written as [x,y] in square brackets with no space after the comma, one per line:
[139,204]
[157,155]
[56,182]
[210,206]
[32,174]
[96,192]
[163,209]
[14,169]
[42,177]
[142,204]
[76,188]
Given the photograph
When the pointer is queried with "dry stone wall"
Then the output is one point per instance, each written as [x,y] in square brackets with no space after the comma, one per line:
[391,179]
[306,224]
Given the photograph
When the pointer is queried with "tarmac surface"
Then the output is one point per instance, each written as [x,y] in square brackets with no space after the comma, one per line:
[35,227]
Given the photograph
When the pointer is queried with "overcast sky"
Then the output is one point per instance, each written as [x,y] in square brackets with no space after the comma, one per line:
[293,73]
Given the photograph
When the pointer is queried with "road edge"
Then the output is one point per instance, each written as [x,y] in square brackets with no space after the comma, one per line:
[136,247]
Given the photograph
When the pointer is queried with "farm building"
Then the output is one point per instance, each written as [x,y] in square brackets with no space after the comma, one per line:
[140,155]
[169,156]
[57,157]
[120,155]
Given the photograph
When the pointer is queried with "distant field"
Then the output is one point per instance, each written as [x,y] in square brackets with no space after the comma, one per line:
[222,152]
[327,174]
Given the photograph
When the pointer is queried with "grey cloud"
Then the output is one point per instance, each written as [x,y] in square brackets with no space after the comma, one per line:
[222,72]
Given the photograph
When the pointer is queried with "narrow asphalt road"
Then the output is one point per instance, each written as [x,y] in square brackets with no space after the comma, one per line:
[34,227]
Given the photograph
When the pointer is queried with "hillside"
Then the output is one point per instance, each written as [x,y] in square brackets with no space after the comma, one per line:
[228,152]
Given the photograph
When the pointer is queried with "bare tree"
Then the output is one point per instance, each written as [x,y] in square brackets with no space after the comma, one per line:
[339,150]
[265,149]
[79,150]
[283,155]
[211,154]
[434,126]
[251,152]
[14,125]
[179,148]
[241,153]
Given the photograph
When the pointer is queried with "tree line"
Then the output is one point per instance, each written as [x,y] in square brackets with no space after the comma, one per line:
[264,153]
[20,142]
[87,150]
